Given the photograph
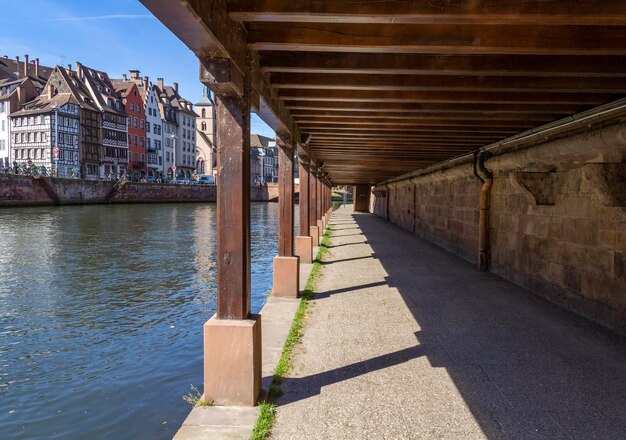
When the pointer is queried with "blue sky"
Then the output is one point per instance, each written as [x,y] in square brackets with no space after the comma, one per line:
[109,35]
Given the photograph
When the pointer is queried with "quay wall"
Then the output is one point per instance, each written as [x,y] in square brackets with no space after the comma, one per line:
[557,219]
[16,190]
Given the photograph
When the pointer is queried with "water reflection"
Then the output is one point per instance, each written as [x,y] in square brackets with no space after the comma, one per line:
[101,313]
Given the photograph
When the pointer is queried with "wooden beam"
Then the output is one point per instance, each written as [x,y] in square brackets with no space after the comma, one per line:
[330,81]
[563,12]
[443,97]
[433,122]
[417,107]
[408,119]
[220,45]
[472,39]
[585,66]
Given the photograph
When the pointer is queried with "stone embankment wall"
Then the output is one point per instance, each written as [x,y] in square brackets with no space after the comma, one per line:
[18,190]
[557,219]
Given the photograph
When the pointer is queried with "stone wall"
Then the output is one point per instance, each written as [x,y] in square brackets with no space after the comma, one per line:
[557,219]
[22,190]
[18,190]
[441,207]
[162,193]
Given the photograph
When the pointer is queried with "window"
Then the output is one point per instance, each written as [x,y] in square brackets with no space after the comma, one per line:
[3,127]
[204,113]
[135,122]
[132,107]
[147,127]
[141,124]
[142,141]
[203,125]
[139,108]
[136,140]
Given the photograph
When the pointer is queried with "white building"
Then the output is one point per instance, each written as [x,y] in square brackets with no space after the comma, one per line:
[206,154]
[46,134]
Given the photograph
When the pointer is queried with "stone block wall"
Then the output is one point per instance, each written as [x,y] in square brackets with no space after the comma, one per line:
[22,190]
[557,219]
[570,246]
[442,208]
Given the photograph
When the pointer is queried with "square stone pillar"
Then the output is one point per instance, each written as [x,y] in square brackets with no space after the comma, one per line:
[304,248]
[286,276]
[232,361]
[315,235]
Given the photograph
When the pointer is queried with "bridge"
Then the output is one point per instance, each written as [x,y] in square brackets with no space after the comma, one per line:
[493,129]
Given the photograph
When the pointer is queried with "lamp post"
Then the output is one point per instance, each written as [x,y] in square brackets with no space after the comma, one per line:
[55,146]
[173,136]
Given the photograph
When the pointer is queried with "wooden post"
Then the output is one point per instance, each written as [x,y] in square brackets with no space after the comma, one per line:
[304,199]
[233,207]
[313,195]
[304,242]
[285,202]
[286,265]
[319,209]
[232,337]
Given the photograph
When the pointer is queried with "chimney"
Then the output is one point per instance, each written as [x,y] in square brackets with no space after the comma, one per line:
[69,67]
[79,69]
[25,66]
[146,82]
[134,74]
[37,67]
[160,83]
[17,66]
[176,87]
[124,77]
[49,91]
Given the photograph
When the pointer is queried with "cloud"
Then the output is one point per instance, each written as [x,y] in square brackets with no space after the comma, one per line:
[86,18]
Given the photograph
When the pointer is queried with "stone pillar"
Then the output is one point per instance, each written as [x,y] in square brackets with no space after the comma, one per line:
[313,226]
[304,242]
[286,265]
[232,337]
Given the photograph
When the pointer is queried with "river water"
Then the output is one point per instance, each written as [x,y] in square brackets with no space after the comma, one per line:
[101,314]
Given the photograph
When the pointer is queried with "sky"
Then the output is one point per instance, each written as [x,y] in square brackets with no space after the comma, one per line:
[114,36]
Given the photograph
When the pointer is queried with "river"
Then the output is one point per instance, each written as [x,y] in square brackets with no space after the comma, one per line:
[101,313]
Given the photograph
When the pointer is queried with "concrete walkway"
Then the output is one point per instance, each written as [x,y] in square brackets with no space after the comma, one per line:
[406,341]
[237,423]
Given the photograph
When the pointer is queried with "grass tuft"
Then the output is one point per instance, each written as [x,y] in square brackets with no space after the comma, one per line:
[194,398]
[265,421]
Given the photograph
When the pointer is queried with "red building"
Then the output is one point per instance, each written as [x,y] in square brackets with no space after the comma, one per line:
[133,103]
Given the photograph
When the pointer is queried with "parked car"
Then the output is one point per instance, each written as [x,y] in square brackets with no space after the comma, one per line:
[206,180]
[183,181]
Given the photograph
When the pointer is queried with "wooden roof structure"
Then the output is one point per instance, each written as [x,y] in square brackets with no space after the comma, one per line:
[373,89]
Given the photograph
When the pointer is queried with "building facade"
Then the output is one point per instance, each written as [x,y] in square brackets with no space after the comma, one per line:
[114,158]
[46,135]
[134,106]
[206,154]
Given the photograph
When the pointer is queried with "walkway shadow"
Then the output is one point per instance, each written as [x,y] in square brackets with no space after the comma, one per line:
[543,373]
[328,293]
[300,388]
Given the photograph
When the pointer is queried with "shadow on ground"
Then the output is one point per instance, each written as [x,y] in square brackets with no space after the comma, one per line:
[525,368]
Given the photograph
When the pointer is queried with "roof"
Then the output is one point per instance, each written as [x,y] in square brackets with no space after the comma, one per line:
[101,89]
[257,140]
[380,88]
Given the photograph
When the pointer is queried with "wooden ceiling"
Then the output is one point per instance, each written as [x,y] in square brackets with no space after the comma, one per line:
[386,87]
